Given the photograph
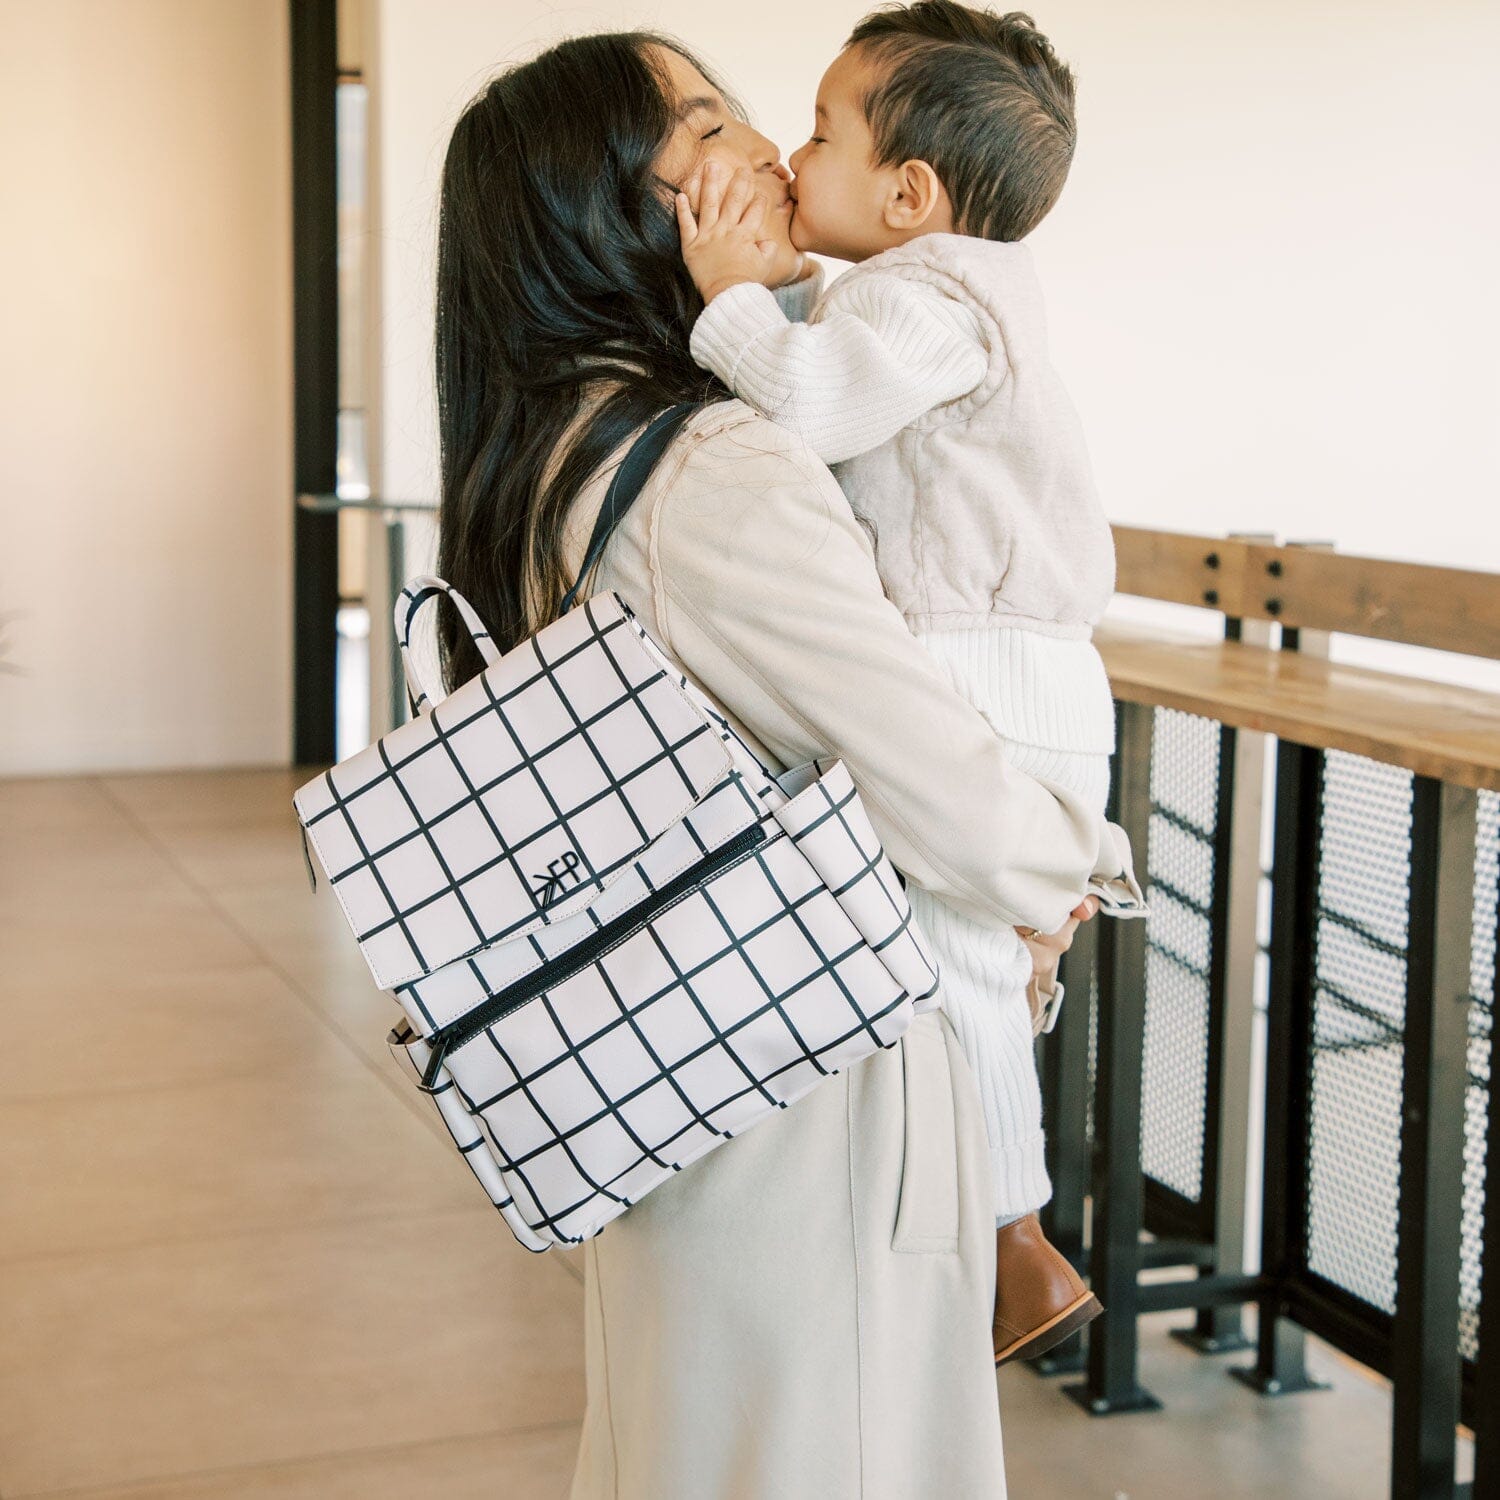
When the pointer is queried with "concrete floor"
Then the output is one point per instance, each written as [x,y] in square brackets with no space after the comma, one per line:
[220,1202]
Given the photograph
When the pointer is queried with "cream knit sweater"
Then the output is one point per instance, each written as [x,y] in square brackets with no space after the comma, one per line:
[923,375]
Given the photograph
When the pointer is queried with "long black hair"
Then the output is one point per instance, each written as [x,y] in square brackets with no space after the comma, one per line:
[559,280]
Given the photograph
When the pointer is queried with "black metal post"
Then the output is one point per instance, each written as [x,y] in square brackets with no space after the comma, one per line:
[1487,1363]
[1063,1058]
[315,371]
[1280,1364]
[1063,1062]
[1424,1354]
[1224,831]
[1111,1384]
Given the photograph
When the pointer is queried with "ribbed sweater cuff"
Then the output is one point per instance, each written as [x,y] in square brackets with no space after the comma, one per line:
[798,298]
[1022,1185]
[729,324]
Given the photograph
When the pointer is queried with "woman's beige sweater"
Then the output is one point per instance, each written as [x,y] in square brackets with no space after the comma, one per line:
[744,560]
[806,1312]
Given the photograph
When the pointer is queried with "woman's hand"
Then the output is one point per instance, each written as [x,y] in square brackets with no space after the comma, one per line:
[721,242]
[1047,949]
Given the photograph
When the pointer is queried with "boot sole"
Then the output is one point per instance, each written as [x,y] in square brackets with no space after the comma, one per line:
[1054,1331]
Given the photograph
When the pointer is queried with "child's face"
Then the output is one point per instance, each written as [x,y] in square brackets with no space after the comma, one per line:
[841,194]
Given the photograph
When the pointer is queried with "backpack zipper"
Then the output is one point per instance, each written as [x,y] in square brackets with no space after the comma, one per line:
[565,965]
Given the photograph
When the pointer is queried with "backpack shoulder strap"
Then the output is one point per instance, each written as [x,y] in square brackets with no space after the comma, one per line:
[629,480]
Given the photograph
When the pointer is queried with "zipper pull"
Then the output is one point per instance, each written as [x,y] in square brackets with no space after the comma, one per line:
[434,1063]
[312,877]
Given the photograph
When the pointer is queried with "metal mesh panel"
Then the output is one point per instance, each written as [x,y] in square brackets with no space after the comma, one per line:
[1482,990]
[1093,1051]
[1359,1003]
[1179,931]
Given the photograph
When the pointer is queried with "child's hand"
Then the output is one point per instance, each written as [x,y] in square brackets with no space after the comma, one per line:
[720,243]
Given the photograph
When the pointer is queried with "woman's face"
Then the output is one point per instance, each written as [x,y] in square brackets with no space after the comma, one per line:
[707,131]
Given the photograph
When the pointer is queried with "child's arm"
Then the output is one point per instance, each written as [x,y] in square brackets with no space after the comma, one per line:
[882,352]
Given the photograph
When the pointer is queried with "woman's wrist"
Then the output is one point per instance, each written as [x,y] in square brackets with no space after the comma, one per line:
[805,268]
[796,298]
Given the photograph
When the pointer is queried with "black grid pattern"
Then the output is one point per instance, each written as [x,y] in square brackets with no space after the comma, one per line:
[433,858]
[1180,866]
[1358,1019]
[706,943]
[1088,1125]
[735,804]
[832,831]
[1477,1099]
[789,966]
[438,999]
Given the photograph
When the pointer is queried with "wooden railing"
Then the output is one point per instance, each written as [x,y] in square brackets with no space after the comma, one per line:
[1384,822]
[1447,609]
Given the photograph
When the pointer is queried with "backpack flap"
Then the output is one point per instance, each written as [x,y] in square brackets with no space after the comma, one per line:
[516,801]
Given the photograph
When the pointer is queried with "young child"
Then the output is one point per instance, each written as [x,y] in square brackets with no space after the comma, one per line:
[943,136]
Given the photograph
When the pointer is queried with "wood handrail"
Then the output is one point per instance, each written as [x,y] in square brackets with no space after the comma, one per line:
[1433,729]
[1180,568]
[1447,609]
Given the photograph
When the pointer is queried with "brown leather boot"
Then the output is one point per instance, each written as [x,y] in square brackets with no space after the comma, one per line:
[1039,1297]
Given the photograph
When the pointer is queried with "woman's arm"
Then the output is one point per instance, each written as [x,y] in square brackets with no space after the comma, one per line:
[766,591]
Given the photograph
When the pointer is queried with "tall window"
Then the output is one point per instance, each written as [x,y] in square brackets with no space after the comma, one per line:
[353,481]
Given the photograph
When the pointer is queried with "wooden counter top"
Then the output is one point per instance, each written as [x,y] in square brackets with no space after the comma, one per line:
[1434,729]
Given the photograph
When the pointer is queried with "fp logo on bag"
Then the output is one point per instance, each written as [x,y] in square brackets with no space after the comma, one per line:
[561,873]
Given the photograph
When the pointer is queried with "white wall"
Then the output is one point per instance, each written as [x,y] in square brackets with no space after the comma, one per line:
[428,59]
[1271,278]
[145,384]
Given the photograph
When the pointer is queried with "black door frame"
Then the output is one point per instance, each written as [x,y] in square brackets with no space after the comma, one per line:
[315,375]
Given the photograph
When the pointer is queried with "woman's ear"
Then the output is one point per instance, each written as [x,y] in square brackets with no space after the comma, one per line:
[917,200]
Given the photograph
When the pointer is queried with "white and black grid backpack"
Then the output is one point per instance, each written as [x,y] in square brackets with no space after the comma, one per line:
[617,938]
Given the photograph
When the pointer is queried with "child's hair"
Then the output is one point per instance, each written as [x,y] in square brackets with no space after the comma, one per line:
[983,99]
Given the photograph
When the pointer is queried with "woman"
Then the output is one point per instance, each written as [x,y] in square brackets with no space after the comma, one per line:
[806,1311]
